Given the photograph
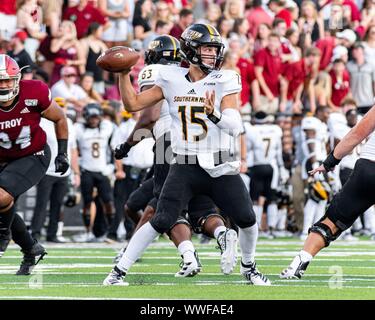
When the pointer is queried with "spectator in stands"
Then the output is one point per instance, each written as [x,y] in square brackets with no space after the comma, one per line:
[8,19]
[256,17]
[261,40]
[241,29]
[87,84]
[224,28]
[82,15]
[296,79]
[67,51]
[368,10]
[175,6]
[213,15]
[141,20]
[268,68]
[18,51]
[369,44]
[164,14]
[278,8]
[340,84]
[362,78]
[30,18]
[310,24]
[118,13]
[186,18]
[291,44]
[92,47]
[234,9]
[67,89]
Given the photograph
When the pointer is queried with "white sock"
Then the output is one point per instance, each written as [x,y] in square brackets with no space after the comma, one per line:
[137,245]
[272,215]
[281,223]
[186,249]
[305,256]
[218,230]
[320,210]
[248,240]
[60,227]
[308,215]
[258,215]
[357,225]
[369,219]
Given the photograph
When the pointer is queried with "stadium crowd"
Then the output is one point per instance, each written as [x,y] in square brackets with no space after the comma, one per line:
[307,70]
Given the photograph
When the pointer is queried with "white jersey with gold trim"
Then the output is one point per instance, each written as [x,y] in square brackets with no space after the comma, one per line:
[93,144]
[192,132]
[147,77]
[320,140]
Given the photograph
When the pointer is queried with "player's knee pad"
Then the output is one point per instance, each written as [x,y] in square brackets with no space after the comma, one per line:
[202,221]
[180,220]
[325,232]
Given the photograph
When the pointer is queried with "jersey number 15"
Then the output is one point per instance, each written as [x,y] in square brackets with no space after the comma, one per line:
[194,120]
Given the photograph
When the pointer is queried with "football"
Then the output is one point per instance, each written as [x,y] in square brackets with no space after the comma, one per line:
[117,59]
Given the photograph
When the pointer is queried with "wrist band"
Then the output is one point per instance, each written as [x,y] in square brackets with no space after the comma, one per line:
[215,116]
[330,162]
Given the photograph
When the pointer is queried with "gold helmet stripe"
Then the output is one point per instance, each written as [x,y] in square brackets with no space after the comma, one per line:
[174,47]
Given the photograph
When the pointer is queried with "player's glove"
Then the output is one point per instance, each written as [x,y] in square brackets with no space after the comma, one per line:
[61,160]
[122,150]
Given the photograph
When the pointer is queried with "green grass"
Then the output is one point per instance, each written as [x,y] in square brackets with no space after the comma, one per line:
[345,270]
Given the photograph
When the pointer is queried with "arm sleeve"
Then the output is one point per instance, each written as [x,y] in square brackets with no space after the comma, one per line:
[231,122]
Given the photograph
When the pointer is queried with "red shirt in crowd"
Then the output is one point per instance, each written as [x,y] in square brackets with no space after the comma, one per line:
[339,89]
[247,77]
[83,18]
[325,46]
[295,73]
[176,31]
[272,68]
[184,3]
[256,17]
[286,16]
[8,7]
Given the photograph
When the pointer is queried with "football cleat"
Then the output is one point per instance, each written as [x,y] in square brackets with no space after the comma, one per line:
[4,242]
[252,274]
[115,278]
[189,269]
[31,258]
[296,269]
[227,241]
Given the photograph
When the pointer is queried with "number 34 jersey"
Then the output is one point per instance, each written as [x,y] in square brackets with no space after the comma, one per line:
[93,144]
[20,132]
[192,132]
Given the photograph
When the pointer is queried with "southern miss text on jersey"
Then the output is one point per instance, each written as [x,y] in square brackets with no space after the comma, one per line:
[147,77]
[20,133]
[93,144]
[192,133]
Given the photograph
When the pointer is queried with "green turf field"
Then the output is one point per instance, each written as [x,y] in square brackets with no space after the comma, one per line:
[346,270]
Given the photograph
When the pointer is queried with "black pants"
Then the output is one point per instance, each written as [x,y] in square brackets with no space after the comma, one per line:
[122,190]
[184,181]
[50,189]
[356,196]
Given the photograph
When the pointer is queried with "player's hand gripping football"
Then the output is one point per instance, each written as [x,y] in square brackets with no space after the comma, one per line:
[209,103]
[61,163]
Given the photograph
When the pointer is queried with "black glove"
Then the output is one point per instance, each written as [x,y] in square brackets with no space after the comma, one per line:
[330,162]
[122,150]
[62,163]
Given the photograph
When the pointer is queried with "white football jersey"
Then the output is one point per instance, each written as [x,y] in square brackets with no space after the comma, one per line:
[271,152]
[253,143]
[49,128]
[191,131]
[93,146]
[320,140]
[147,77]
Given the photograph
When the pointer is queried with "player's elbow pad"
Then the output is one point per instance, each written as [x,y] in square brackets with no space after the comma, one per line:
[230,122]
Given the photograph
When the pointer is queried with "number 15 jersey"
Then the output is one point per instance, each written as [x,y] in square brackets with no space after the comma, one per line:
[192,132]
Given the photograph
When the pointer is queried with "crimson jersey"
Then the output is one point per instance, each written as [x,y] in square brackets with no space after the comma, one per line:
[20,133]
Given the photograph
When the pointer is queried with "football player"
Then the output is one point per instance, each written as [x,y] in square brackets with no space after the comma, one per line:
[24,153]
[93,139]
[203,104]
[268,168]
[165,50]
[314,145]
[356,196]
